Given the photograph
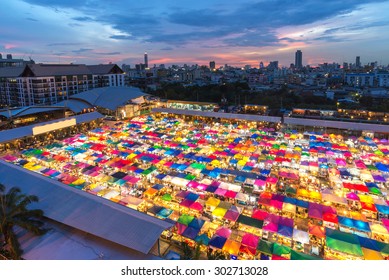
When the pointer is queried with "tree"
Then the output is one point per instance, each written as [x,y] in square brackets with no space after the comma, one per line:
[187,252]
[15,212]
[215,255]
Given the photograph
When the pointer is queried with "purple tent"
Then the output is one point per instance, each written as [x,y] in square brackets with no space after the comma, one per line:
[231,215]
[315,211]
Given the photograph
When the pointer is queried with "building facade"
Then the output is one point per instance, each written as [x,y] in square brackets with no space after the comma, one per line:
[299,59]
[46,84]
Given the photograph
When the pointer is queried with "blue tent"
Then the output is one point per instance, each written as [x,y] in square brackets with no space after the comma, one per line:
[382,167]
[240,179]
[160,176]
[285,231]
[203,239]
[192,196]
[211,189]
[383,209]
[164,213]
[197,223]
[190,232]
[217,241]
[158,187]
[302,203]
[290,200]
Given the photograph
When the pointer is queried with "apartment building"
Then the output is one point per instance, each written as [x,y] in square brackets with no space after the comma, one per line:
[46,84]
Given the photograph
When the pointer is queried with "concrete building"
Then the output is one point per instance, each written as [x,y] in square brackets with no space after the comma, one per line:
[8,61]
[45,84]
[298,59]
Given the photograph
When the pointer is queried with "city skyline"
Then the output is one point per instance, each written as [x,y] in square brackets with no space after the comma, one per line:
[92,32]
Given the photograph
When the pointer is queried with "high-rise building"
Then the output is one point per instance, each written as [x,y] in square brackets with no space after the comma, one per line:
[146,61]
[212,65]
[358,62]
[261,66]
[298,59]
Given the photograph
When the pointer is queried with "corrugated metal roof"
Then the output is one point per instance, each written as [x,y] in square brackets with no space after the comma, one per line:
[103,68]
[75,105]
[48,70]
[35,110]
[338,124]
[86,212]
[257,118]
[20,132]
[109,97]
[11,72]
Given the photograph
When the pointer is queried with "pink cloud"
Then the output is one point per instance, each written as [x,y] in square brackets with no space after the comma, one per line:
[9,46]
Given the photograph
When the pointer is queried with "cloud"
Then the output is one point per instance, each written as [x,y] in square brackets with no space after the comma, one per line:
[82,50]
[85,18]
[32,19]
[121,37]
[167,49]
[108,53]
[62,44]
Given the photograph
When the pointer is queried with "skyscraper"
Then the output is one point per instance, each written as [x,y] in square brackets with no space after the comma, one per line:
[358,62]
[146,61]
[212,65]
[298,59]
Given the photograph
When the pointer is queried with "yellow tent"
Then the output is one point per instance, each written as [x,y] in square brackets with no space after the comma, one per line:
[212,202]
[232,247]
[315,195]
[219,212]
[365,198]
[302,192]
[242,163]
[371,254]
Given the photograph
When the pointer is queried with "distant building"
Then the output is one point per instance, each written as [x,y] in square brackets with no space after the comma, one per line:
[273,65]
[212,65]
[298,59]
[360,79]
[146,61]
[358,62]
[8,61]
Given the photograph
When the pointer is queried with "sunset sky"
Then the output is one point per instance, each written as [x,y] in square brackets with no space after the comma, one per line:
[185,31]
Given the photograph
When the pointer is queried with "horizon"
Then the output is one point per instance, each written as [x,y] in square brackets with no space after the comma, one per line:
[237,34]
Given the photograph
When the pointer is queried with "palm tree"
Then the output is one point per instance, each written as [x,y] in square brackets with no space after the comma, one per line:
[14,212]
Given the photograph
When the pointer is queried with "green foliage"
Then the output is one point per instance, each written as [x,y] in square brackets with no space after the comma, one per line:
[215,255]
[187,251]
[15,212]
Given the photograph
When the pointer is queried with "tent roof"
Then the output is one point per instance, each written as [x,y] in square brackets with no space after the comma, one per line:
[86,212]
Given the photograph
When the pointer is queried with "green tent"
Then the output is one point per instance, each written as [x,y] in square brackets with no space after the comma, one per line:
[301,256]
[290,190]
[185,219]
[246,220]
[375,191]
[167,197]
[265,247]
[146,172]
[343,242]
[280,250]
[190,177]
[196,165]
